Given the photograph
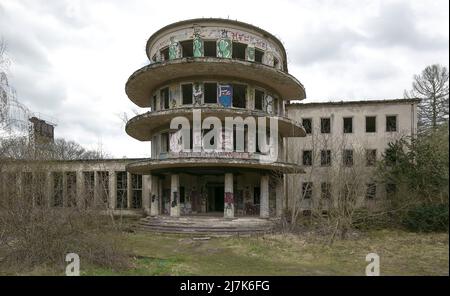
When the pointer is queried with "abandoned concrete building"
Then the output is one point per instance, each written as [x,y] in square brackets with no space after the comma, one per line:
[224,68]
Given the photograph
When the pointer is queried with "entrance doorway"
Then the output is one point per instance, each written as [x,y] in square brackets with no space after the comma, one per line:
[216,194]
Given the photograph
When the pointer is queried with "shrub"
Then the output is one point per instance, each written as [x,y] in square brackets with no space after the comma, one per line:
[427,218]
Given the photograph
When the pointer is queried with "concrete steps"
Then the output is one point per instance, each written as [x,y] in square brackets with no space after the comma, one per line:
[205,225]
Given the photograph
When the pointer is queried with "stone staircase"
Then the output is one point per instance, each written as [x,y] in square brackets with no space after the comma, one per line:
[206,225]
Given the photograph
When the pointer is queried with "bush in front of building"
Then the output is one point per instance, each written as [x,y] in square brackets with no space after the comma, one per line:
[427,218]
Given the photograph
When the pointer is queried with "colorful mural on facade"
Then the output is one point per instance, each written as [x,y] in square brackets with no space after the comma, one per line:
[174,49]
[197,45]
[224,46]
[250,54]
[225,95]
[197,93]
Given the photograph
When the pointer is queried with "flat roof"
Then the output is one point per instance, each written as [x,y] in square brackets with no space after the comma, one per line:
[356,102]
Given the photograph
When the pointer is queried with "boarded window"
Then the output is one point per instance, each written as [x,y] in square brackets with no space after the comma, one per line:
[371,191]
[325,125]
[210,93]
[325,190]
[371,157]
[239,50]
[371,124]
[307,157]
[210,49]
[347,157]
[187,48]
[391,123]
[258,55]
[259,97]
[307,190]
[165,97]
[187,93]
[325,157]
[348,125]
[307,124]
[239,92]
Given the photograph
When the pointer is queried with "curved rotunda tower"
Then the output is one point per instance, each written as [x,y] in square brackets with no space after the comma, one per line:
[203,72]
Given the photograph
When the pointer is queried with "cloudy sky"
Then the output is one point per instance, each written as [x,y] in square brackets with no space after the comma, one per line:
[71,59]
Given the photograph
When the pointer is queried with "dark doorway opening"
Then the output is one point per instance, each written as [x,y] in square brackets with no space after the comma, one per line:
[219,192]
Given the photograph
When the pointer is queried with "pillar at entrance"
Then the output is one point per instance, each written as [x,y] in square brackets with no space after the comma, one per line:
[80,189]
[279,198]
[264,199]
[154,196]
[175,195]
[228,209]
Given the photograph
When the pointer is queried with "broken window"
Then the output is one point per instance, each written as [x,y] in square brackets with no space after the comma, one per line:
[239,50]
[347,157]
[275,63]
[57,189]
[348,125]
[371,157]
[186,89]
[390,156]
[307,124]
[154,103]
[325,125]
[307,157]
[136,187]
[325,157]
[371,191]
[187,48]
[165,54]
[256,195]
[165,97]
[307,190]
[165,142]
[71,188]
[371,124]
[210,93]
[121,190]
[391,190]
[103,183]
[210,49]
[239,92]
[258,55]
[391,123]
[259,97]
[325,190]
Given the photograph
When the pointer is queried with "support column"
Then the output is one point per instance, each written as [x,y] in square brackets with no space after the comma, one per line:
[228,209]
[64,189]
[175,195]
[129,190]
[112,189]
[160,194]
[80,189]
[96,189]
[264,199]
[279,198]
[154,196]
[146,193]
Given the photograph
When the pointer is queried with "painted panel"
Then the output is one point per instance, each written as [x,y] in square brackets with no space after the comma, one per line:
[197,93]
[225,95]
[198,46]
[224,46]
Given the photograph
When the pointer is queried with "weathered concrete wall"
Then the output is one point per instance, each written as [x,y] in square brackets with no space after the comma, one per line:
[358,141]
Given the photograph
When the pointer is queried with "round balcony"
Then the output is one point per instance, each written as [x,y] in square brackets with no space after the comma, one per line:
[144,126]
[148,79]
[212,165]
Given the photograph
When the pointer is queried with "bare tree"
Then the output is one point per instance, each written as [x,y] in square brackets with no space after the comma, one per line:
[431,86]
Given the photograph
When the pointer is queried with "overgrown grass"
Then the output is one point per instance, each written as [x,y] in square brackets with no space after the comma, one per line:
[401,253]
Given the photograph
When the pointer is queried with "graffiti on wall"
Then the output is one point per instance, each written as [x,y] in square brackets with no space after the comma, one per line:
[197,93]
[229,200]
[268,103]
[224,45]
[197,45]
[174,49]
[225,95]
